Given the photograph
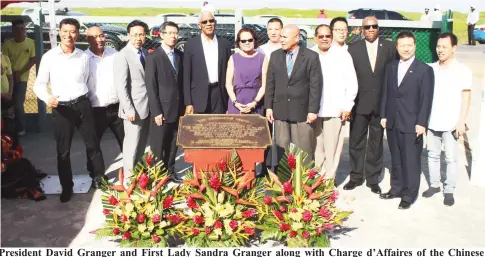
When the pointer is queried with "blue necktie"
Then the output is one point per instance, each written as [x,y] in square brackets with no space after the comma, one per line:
[170,57]
[142,58]
[290,63]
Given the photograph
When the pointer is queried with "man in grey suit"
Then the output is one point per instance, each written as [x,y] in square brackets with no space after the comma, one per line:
[293,93]
[132,92]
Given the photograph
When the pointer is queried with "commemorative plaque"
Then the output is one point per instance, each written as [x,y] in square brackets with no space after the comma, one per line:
[207,138]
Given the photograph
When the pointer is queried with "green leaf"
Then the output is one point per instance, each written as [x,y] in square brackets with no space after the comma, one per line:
[135,235]
[321,241]
[103,233]
[126,243]
[145,243]
[146,235]
[269,233]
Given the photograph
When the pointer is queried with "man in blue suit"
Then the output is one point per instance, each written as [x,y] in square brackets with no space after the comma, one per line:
[405,109]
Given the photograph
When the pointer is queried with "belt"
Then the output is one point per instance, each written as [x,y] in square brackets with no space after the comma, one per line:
[213,84]
[73,101]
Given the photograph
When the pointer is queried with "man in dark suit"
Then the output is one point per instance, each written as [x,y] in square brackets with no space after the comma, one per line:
[164,81]
[293,93]
[205,65]
[370,56]
[407,98]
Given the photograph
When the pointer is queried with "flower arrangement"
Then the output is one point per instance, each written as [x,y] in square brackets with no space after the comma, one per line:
[142,215]
[300,205]
[223,205]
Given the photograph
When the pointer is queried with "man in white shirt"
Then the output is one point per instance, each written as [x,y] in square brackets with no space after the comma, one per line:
[102,90]
[426,16]
[436,15]
[340,32]
[339,91]
[208,8]
[451,101]
[471,20]
[274,27]
[66,68]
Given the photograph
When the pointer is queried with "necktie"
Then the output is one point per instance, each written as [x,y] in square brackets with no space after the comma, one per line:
[170,57]
[290,63]
[142,58]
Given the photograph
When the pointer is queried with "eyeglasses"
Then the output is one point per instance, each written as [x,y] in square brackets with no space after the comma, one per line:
[367,27]
[340,30]
[324,36]
[138,35]
[244,41]
[208,21]
[171,33]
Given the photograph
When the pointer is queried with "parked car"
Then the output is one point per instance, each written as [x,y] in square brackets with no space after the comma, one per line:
[62,12]
[305,30]
[479,34]
[380,14]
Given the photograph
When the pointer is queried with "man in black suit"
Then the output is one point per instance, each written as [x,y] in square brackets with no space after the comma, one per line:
[293,93]
[407,98]
[205,65]
[370,56]
[164,81]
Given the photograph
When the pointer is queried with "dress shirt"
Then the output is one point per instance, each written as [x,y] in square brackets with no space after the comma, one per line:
[339,82]
[211,54]
[66,73]
[472,17]
[402,68]
[169,52]
[450,82]
[293,58]
[345,46]
[101,84]
[372,51]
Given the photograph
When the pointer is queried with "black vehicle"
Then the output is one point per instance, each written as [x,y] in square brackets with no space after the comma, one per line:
[379,14]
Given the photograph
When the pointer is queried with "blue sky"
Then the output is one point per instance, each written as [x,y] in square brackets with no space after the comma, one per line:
[404,5]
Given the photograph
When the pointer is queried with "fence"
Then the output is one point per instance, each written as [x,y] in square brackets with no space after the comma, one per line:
[426,33]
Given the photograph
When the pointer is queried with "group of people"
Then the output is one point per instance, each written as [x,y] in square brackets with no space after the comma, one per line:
[306,94]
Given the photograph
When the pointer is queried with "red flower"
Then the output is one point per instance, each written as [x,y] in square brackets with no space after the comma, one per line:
[195,231]
[198,219]
[249,231]
[143,180]
[312,174]
[123,218]
[325,213]
[287,187]
[307,216]
[249,213]
[283,208]
[156,239]
[284,227]
[218,224]
[292,234]
[126,236]
[106,212]
[305,234]
[267,200]
[319,230]
[328,226]
[113,201]
[333,197]
[176,219]
[140,218]
[222,165]
[207,230]
[278,215]
[167,202]
[116,231]
[149,160]
[291,161]
[294,210]
[155,218]
[191,203]
[215,182]
[233,224]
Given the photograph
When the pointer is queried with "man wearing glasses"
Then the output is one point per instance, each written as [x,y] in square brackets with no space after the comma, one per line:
[164,80]
[205,65]
[130,85]
[340,31]
[370,56]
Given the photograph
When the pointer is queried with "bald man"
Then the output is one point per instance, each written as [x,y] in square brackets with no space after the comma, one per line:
[102,91]
[293,93]
[370,56]
[205,65]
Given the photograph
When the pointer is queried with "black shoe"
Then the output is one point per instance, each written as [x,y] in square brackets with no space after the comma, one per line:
[449,199]
[176,180]
[351,185]
[375,188]
[430,192]
[66,195]
[388,196]
[403,205]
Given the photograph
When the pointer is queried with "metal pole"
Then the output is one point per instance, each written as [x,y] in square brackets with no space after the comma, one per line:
[38,20]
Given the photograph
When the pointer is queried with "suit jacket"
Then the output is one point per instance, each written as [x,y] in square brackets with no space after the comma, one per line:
[370,83]
[130,83]
[408,104]
[293,98]
[165,84]
[196,78]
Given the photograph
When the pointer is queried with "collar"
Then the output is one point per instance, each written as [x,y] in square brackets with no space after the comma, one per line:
[205,39]
[320,52]
[373,43]
[408,61]
[58,50]
[91,54]
[295,51]
[167,49]
[134,49]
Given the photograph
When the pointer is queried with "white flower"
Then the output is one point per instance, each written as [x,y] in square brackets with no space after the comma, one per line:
[296,225]
[218,232]
[220,197]
[142,227]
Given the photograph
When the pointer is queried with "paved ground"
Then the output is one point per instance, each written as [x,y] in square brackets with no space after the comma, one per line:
[375,222]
